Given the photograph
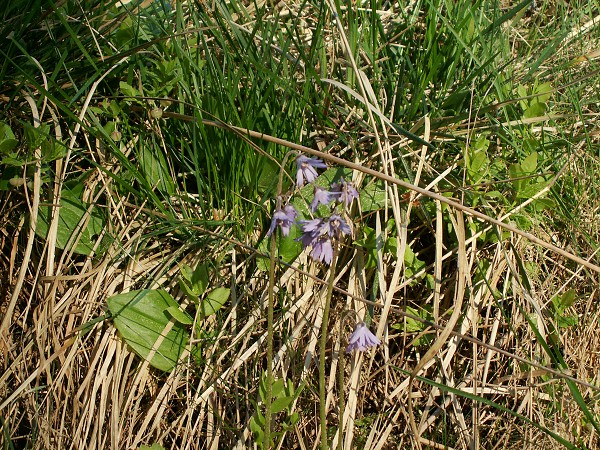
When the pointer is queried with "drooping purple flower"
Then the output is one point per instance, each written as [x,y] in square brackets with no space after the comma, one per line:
[283,218]
[338,226]
[322,250]
[307,169]
[362,339]
[314,227]
[346,192]
[321,196]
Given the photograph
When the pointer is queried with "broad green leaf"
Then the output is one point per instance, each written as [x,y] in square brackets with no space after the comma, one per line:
[127,89]
[155,168]
[278,387]
[516,171]
[535,109]
[567,321]
[281,403]
[153,447]
[189,292]
[544,92]
[179,315]
[257,427]
[186,272]
[53,150]
[200,279]
[35,136]
[478,165]
[214,301]
[568,298]
[72,212]
[194,282]
[529,164]
[141,318]
[532,189]
[268,175]
[372,197]
[7,139]
[562,302]
[542,204]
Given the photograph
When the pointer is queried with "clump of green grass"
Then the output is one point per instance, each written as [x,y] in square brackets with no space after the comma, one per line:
[139,153]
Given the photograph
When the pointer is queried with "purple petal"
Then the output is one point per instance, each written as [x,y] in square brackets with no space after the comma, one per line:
[306,169]
[362,339]
[290,211]
[315,226]
[284,219]
[322,250]
[346,191]
[321,196]
[337,226]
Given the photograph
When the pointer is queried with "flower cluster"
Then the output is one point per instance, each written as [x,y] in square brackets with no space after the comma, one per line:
[320,234]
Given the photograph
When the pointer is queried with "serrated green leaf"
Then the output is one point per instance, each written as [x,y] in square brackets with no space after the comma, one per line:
[214,301]
[141,318]
[12,160]
[481,143]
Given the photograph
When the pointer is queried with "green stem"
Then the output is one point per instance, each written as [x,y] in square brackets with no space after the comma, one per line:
[269,381]
[270,308]
[322,344]
[342,400]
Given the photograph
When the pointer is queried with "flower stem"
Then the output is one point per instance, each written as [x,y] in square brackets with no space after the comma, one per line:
[270,308]
[322,345]
[342,400]
[269,381]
